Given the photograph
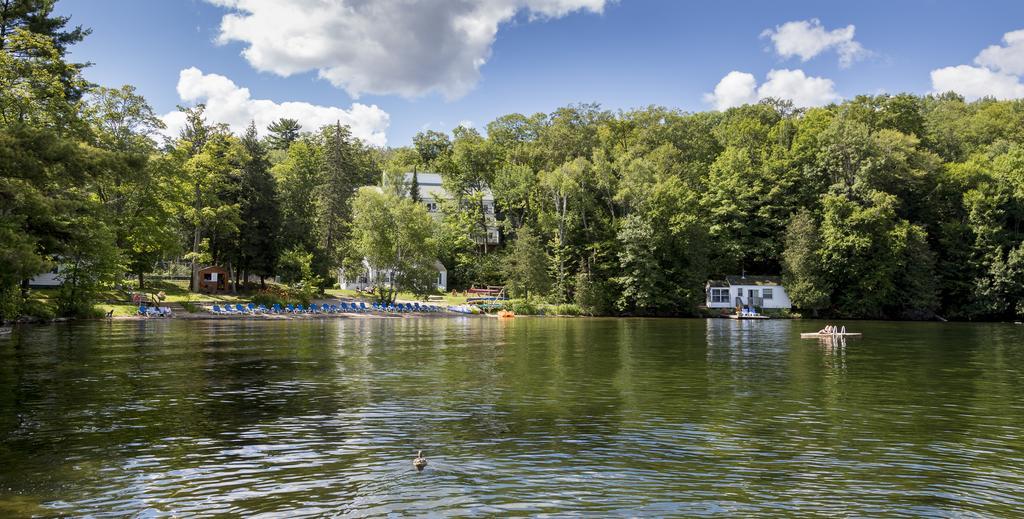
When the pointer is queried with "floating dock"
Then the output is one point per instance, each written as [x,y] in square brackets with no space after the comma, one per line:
[816,335]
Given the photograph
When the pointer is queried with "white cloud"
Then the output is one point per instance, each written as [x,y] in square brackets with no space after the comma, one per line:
[997,76]
[739,88]
[796,86]
[1008,59]
[976,82]
[228,103]
[403,47]
[808,38]
[735,89]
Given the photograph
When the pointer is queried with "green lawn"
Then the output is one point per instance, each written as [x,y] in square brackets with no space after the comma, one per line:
[177,291]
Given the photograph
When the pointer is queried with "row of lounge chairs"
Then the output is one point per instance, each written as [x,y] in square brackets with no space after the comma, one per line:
[340,308]
[154,311]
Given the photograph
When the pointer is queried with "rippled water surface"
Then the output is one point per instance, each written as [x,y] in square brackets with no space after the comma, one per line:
[528,416]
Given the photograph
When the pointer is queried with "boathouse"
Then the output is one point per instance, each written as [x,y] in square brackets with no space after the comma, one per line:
[754,291]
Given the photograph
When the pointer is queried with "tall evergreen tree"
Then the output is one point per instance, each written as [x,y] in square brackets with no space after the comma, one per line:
[338,182]
[414,187]
[36,17]
[283,132]
[260,214]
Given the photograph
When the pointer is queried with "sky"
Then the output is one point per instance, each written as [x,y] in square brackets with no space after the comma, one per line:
[392,68]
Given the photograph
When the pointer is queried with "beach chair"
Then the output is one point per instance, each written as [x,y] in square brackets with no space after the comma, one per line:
[239,308]
[290,308]
[252,308]
[275,308]
[299,309]
[263,309]
[362,307]
[142,311]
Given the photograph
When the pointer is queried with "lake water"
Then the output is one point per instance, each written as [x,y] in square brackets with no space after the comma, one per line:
[527,416]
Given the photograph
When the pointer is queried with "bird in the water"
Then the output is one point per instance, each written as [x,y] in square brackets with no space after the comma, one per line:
[420,462]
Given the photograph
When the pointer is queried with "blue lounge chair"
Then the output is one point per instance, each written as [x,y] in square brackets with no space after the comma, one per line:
[216,309]
[142,310]
[276,308]
[362,306]
[300,309]
[290,308]
[252,308]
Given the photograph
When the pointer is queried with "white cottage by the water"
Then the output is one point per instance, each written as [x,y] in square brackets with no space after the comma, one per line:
[757,291]
[363,278]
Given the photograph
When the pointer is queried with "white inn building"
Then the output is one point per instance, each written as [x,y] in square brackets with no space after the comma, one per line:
[432,193]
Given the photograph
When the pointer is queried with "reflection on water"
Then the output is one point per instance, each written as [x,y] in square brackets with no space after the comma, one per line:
[610,417]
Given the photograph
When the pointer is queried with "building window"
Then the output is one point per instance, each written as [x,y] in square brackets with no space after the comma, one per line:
[719,295]
[431,207]
[766,293]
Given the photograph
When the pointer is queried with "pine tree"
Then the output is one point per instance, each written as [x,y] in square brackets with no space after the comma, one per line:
[260,212]
[414,187]
[338,182]
[36,16]
[283,132]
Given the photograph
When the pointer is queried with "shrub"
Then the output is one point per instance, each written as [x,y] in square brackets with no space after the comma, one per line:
[37,309]
[294,266]
[282,295]
[565,309]
[523,307]
[10,303]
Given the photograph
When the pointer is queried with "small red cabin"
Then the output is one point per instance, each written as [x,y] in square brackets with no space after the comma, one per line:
[214,280]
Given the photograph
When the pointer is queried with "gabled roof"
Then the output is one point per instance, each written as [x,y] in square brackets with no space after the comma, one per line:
[753,280]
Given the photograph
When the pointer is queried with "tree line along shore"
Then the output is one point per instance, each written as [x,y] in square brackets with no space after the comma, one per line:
[890,206]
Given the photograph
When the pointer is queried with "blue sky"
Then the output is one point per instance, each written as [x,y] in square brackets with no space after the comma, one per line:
[409,69]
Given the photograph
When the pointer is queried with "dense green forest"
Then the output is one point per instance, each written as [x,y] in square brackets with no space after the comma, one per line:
[889,206]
